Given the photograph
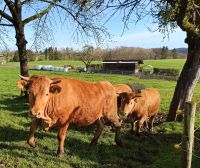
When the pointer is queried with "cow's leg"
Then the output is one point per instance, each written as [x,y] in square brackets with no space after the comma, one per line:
[135,125]
[132,126]
[151,121]
[31,138]
[141,122]
[61,139]
[100,127]
[117,124]
[146,124]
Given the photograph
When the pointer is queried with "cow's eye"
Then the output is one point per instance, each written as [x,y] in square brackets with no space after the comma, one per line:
[47,94]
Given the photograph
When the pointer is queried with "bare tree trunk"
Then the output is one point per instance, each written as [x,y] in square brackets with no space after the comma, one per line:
[21,44]
[188,77]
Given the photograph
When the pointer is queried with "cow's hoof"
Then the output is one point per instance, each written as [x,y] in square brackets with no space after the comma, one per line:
[60,154]
[32,144]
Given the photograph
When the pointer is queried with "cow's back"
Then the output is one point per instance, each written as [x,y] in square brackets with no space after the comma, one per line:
[123,88]
[152,99]
[83,102]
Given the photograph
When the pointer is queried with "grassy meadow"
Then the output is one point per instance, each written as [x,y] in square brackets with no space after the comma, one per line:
[144,151]
[166,63]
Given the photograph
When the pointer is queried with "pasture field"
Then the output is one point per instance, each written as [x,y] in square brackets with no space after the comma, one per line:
[144,151]
[163,63]
[166,63]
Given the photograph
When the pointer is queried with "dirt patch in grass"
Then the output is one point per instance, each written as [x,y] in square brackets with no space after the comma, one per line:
[160,118]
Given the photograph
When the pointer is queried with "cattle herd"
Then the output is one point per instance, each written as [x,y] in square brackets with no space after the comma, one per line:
[59,102]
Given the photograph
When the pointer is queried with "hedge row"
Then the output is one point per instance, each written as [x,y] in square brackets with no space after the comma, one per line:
[167,71]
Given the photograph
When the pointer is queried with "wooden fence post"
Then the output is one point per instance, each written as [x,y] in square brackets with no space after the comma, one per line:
[188,134]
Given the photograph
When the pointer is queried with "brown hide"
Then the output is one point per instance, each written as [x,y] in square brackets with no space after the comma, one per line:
[141,107]
[148,102]
[122,88]
[82,102]
[61,101]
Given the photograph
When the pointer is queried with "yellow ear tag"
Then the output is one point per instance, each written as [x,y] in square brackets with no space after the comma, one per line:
[177,146]
[179,112]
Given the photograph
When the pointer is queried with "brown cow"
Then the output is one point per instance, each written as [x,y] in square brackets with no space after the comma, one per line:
[139,106]
[62,101]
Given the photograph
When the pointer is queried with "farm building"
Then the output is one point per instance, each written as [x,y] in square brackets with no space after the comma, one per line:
[121,66]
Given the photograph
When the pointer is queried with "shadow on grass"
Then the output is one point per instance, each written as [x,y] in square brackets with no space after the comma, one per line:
[10,134]
[137,150]
[14,103]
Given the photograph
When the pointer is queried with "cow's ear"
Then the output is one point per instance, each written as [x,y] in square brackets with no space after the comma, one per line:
[130,95]
[55,89]
[22,84]
[136,95]
[55,81]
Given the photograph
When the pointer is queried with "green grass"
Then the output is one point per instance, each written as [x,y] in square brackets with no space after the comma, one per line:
[166,63]
[145,151]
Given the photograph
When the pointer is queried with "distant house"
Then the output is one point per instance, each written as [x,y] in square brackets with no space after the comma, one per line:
[121,66]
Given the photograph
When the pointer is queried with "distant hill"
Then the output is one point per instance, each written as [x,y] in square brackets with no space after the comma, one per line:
[182,51]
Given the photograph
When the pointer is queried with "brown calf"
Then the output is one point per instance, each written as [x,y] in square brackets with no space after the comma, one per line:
[139,106]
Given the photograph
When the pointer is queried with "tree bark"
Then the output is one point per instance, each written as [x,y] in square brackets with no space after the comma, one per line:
[20,39]
[188,77]
[21,44]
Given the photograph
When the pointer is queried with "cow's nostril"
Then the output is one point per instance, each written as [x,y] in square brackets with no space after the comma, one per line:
[32,113]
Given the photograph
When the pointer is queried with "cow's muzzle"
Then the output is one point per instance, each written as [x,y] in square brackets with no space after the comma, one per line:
[122,113]
[35,114]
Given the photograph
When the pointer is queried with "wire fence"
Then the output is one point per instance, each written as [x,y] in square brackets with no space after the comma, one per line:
[155,76]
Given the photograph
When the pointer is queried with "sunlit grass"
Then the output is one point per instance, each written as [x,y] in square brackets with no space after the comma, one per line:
[166,63]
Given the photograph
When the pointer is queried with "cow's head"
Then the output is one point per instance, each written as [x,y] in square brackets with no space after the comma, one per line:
[40,88]
[127,102]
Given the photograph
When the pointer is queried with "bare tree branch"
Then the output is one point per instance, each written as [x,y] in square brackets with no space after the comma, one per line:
[10,25]
[26,2]
[11,7]
[6,16]
[38,15]
[74,16]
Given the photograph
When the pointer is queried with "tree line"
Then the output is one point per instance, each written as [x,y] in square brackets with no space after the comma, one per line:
[91,53]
